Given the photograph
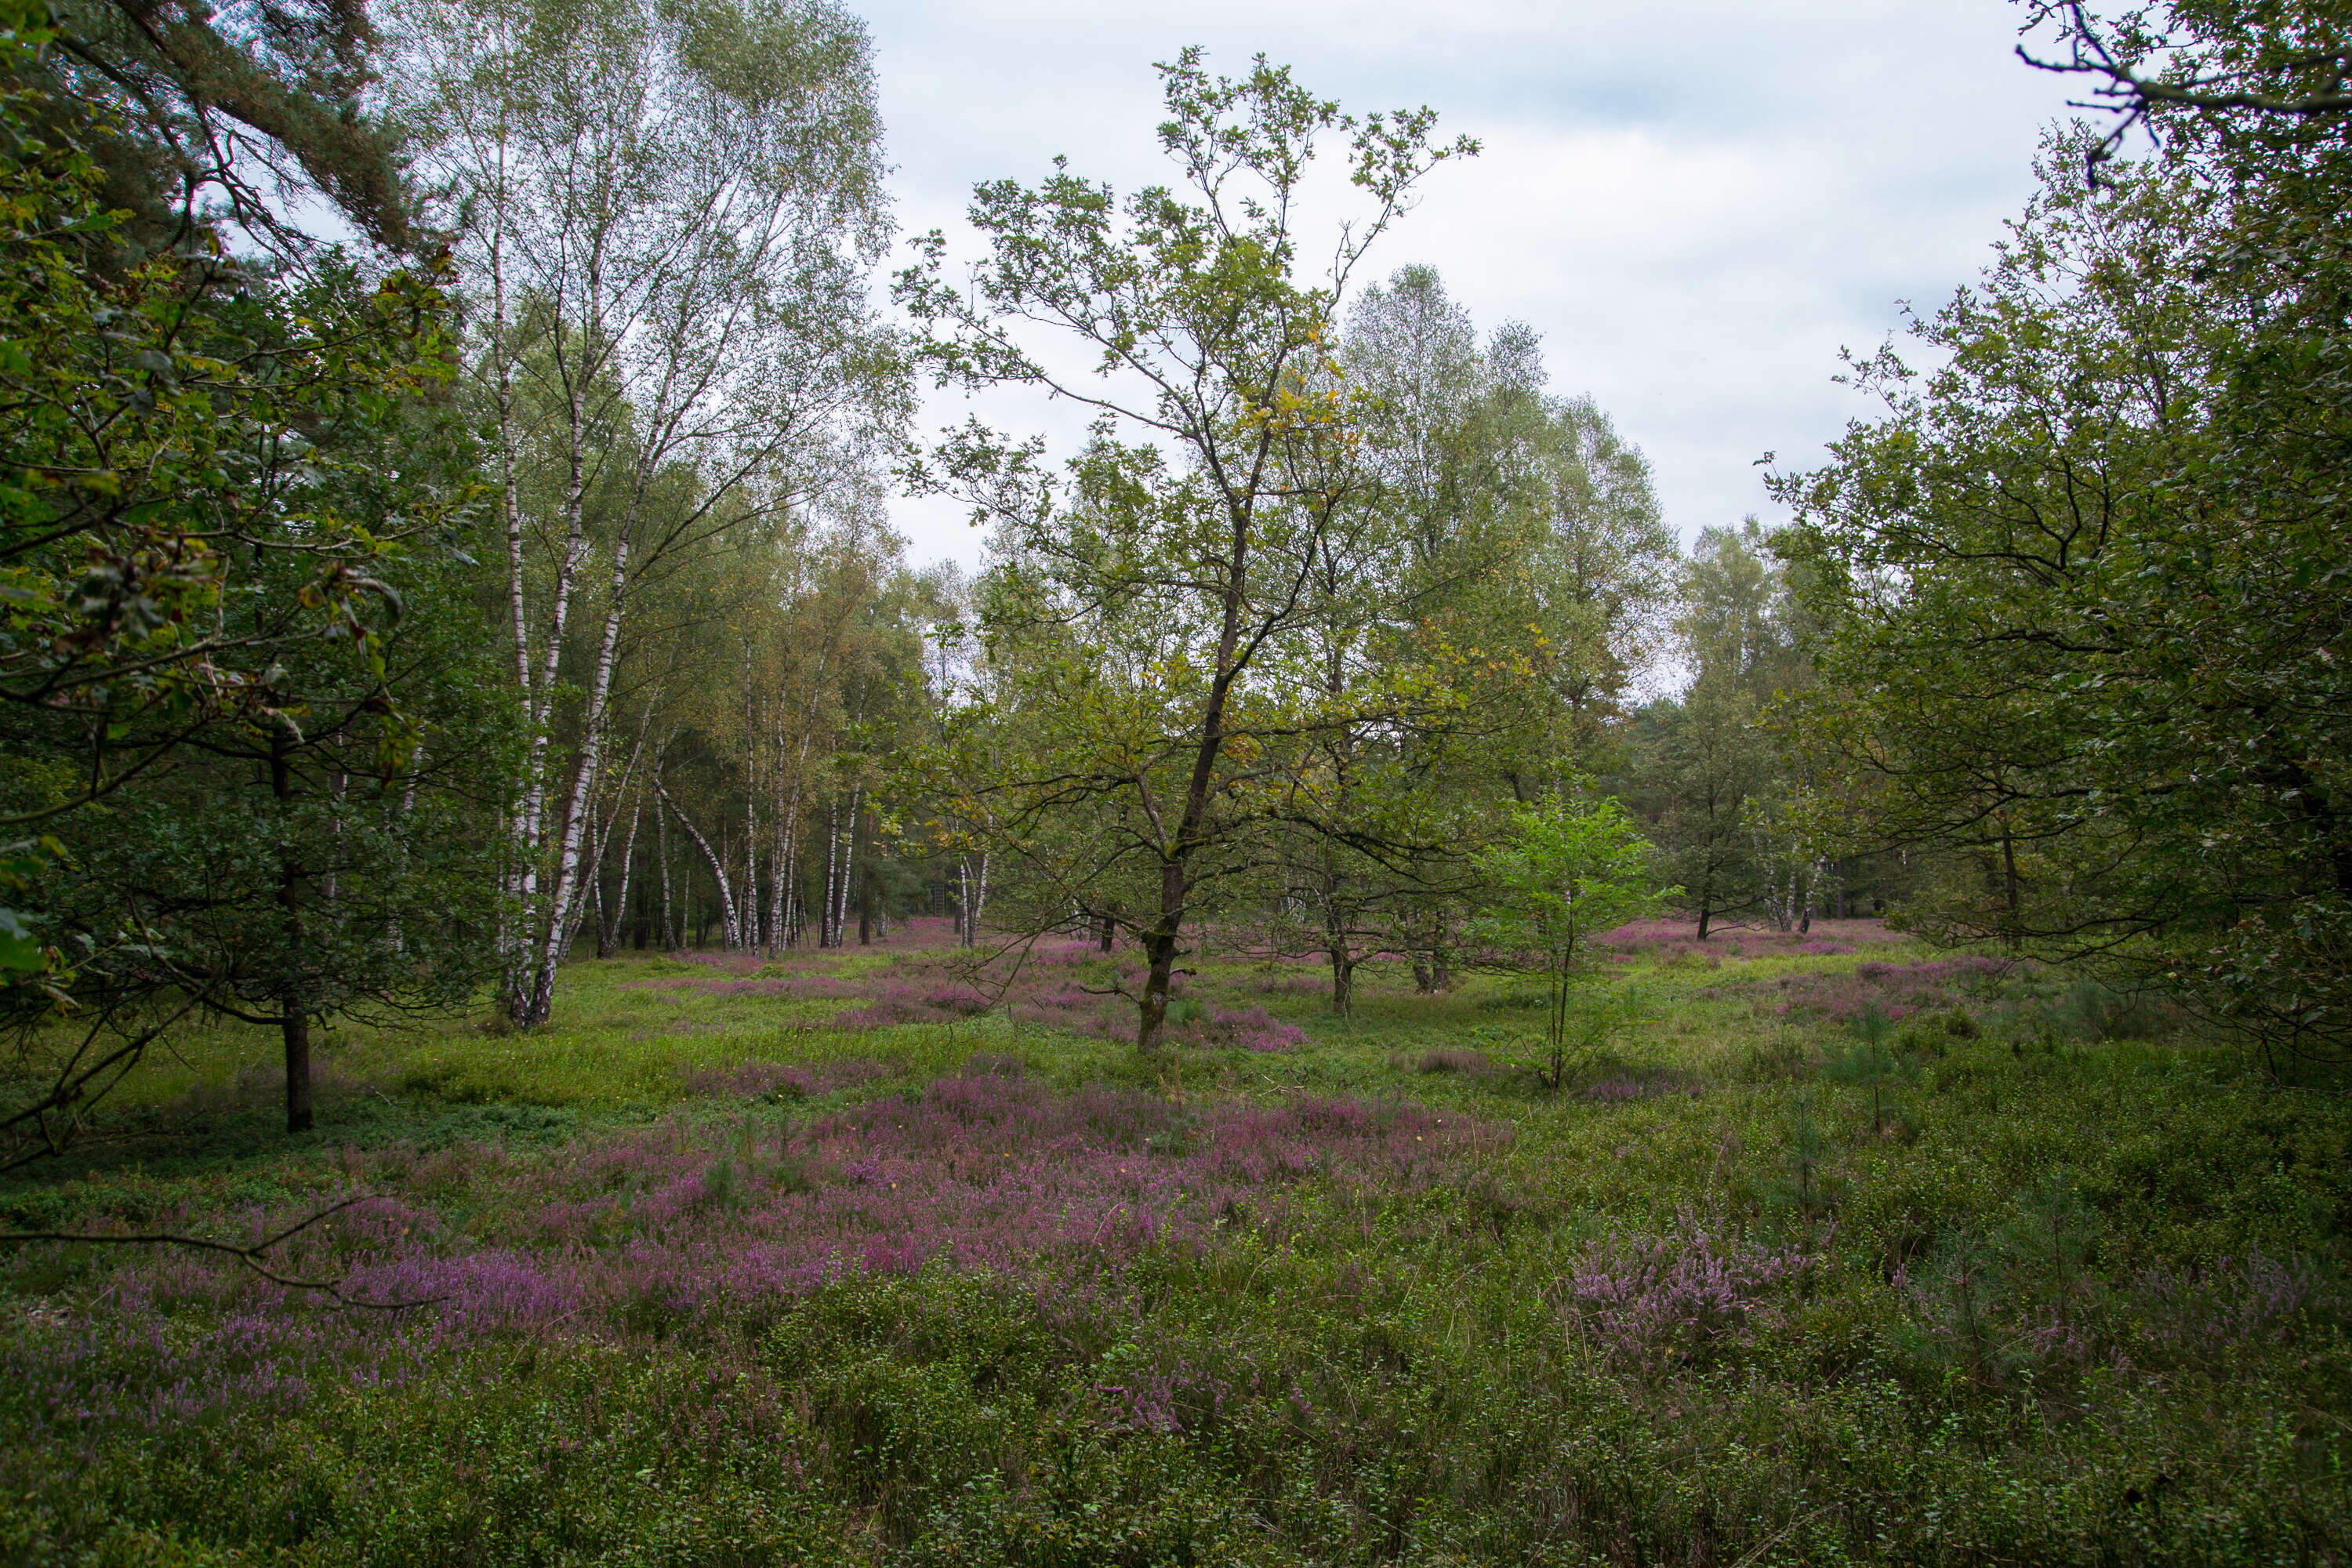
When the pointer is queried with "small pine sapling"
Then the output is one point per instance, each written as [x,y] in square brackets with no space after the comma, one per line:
[1872,1063]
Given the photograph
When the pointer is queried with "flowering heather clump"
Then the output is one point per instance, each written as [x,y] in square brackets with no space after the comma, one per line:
[1894,991]
[896,1001]
[1672,938]
[682,1226]
[1620,1088]
[2231,1302]
[776,1080]
[1292,985]
[798,987]
[790,986]
[1635,935]
[736,962]
[1249,1028]
[1064,951]
[1113,1018]
[1064,1007]
[1649,1298]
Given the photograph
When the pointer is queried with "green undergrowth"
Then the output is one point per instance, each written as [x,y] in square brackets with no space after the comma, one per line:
[1887,1265]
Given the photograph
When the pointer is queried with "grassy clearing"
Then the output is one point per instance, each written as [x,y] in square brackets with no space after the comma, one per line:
[1837,1249]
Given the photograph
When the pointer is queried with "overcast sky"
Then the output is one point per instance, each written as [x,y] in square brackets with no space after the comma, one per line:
[1697,203]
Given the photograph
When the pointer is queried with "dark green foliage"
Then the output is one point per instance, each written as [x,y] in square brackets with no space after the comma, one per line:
[2084,587]
[242,686]
[182,105]
[1877,1061]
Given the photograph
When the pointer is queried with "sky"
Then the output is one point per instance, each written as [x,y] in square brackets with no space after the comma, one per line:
[1697,202]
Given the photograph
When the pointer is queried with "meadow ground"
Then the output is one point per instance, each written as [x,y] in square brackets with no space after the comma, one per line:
[1835,1250]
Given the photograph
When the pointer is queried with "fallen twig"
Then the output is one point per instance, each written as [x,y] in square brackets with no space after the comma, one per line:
[249,1256]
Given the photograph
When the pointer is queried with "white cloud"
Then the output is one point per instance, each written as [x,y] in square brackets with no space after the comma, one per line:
[1697,203]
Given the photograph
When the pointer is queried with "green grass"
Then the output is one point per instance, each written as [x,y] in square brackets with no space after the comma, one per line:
[2070,1296]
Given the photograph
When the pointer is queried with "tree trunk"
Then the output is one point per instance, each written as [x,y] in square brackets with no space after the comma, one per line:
[538,695]
[1160,957]
[832,871]
[294,1025]
[641,919]
[608,932]
[293,1009]
[976,904]
[1105,931]
[541,1002]
[661,836]
[750,808]
[1343,980]
[864,884]
[2012,900]
[730,926]
[849,869]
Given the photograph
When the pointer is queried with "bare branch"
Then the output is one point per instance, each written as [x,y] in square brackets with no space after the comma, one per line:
[249,1256]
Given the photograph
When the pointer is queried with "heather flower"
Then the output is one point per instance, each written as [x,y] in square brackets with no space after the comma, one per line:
[1647,1298]
[686,1224]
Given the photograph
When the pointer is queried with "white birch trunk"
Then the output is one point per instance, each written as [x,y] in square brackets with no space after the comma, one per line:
[728,925]
[542,999]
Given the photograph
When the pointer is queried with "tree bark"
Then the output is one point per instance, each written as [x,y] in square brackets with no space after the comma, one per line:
[661,836]
[728,925]
[294,1026]
[864,882]
[608,932]
[541,1002]
[293,1007]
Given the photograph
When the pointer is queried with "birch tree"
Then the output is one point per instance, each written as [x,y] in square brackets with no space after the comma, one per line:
[667,214]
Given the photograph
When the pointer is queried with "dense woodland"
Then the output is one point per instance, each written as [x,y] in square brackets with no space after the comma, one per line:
[446,458]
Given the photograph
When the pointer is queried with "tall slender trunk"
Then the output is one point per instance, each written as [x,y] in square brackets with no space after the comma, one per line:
[974,898]
[864,883]
[750,806]
[788,843]
[831,858]
[729,924]
[524,844]
[849,869]
[2012,891]
[668,912]
[407,805]
[608,930]
[293,1007]
[580,803]
[538,705]
[788,876]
